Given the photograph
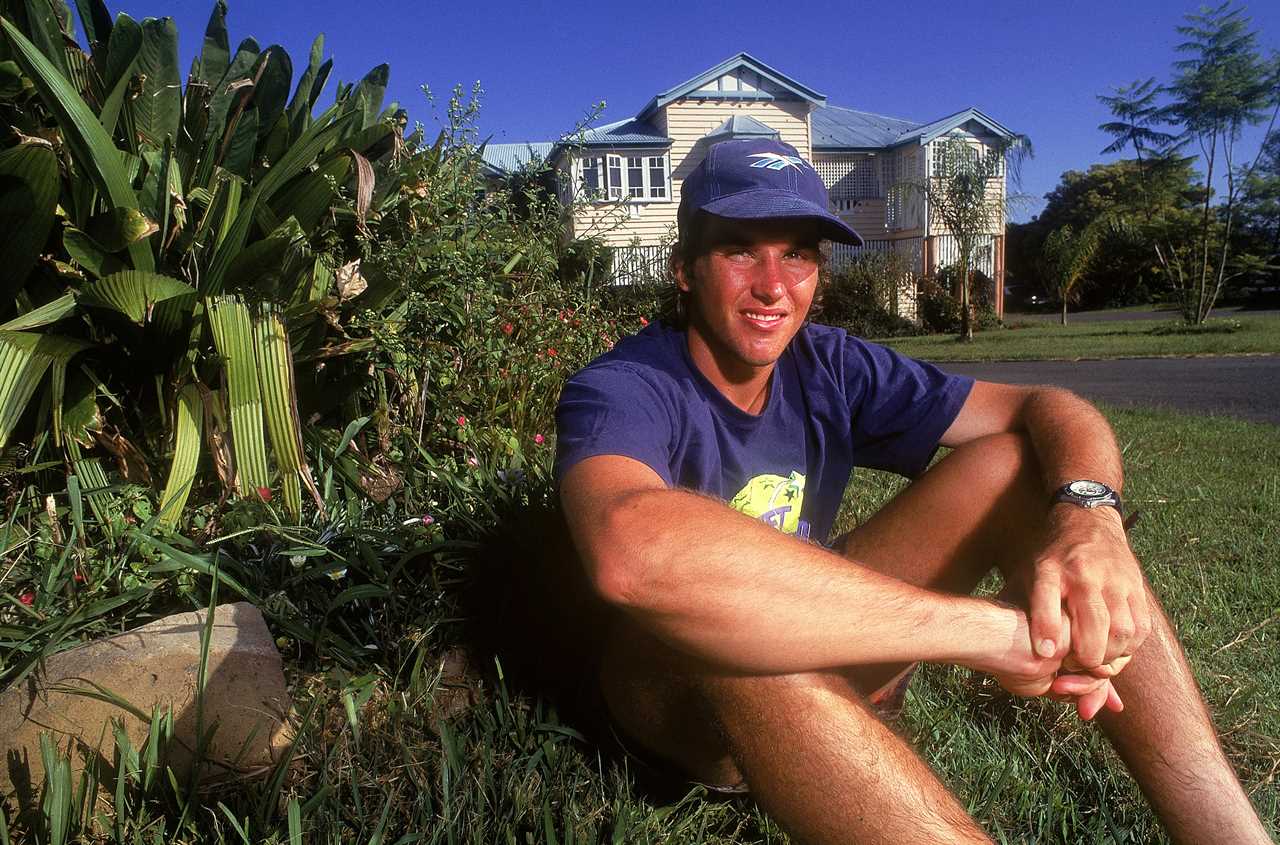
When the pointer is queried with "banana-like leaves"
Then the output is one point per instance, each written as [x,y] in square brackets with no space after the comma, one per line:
[90,145]
[232,330]
[28,197]
[24,359]
[275,367]
[188,428]
[158,109]
[135,294]
[260,386]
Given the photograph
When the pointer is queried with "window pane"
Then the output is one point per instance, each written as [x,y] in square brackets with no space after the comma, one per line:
[657,176]
[635,176]
[591,177]
[615,177]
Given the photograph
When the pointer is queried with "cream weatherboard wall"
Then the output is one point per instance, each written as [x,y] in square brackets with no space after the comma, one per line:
[685,122]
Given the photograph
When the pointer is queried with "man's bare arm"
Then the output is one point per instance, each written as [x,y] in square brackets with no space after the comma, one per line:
[738,593]
[1086,562]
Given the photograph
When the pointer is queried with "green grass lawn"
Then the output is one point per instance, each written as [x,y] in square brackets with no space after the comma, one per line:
[400,751]
[1037,341]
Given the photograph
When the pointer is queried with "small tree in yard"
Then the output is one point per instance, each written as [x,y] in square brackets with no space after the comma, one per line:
[958,193]
[1067,255]
[1222,86]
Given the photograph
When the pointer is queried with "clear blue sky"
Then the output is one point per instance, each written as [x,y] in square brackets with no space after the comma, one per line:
[1034,67]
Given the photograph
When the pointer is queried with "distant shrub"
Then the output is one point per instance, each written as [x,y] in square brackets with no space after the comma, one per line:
[939,308]
[861,297]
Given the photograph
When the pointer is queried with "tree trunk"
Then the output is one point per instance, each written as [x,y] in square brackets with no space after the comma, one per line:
[966,309]
[1064,310]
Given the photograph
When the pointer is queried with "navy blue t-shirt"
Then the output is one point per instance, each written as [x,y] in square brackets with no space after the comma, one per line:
[835,402]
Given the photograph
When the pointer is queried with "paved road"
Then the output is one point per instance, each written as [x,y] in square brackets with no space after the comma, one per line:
[1111,315]
[1246,387]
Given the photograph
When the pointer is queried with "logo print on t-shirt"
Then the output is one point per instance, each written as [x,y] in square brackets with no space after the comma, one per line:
[774,500]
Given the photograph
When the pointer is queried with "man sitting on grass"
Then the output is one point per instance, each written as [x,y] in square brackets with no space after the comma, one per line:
[701,469]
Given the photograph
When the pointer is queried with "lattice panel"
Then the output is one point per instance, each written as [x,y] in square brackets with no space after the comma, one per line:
[850,178]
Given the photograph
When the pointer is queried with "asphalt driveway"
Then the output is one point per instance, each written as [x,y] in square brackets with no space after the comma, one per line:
[1245,387]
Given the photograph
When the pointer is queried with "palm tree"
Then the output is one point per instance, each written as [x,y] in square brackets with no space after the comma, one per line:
[1067,256]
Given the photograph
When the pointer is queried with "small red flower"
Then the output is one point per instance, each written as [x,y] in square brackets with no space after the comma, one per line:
[264,493]
[551,350]
[80,579]
[643,321]
[462,421]
[507,328]
[538,438]
[28,598]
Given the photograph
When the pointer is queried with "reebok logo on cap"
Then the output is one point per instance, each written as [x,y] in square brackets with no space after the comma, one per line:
[776,161]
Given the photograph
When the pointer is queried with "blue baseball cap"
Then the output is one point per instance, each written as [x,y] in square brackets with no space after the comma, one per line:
[760,179]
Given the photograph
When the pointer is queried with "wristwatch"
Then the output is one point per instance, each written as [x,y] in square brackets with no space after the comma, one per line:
[1088,494]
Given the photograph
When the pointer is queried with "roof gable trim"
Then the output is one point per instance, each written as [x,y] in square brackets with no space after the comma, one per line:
[689,88]
[941,127]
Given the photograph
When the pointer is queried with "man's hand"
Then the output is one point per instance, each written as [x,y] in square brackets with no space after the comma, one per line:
[1023,672]
[1088,569]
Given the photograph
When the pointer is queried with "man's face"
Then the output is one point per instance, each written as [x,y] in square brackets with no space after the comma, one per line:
[750,293]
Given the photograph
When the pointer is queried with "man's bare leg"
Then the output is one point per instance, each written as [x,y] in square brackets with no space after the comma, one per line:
[1168,742]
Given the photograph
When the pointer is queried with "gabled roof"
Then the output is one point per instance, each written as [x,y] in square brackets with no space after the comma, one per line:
[629,132]
[508,158]
[925,134]
[741,126]
[742,60]
[837,128]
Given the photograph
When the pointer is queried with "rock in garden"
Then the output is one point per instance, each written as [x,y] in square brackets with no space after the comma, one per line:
[155,665]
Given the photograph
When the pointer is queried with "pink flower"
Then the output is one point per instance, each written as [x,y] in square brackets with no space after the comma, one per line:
[471,461]
[462,421]
[264,493]
[507,328]
[538,438]
[28,598]
[427,519]
[80,579]
[643,321]
[551,350]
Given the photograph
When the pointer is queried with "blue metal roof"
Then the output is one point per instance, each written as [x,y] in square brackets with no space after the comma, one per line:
[741,126]
[629,132]
[508,158]
[689,86]
[837,128]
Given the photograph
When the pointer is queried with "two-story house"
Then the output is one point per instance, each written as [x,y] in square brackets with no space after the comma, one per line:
[624,178]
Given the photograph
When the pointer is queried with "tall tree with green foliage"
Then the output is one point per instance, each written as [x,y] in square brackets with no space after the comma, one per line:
[959,193]
[1260,211]
[1222,86]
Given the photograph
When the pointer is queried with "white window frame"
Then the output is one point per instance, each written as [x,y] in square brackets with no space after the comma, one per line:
[618,163]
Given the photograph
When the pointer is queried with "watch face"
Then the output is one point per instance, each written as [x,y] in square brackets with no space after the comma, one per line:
[1088,488]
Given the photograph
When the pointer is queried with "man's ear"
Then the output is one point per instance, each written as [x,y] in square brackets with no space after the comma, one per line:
[683,277]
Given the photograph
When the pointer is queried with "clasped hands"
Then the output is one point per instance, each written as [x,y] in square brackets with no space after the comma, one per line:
[1086,612]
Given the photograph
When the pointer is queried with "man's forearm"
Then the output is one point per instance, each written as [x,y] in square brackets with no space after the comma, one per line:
[736,592]
[1072,440]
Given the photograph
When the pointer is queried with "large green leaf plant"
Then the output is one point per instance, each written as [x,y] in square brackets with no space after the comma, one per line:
[171,250]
